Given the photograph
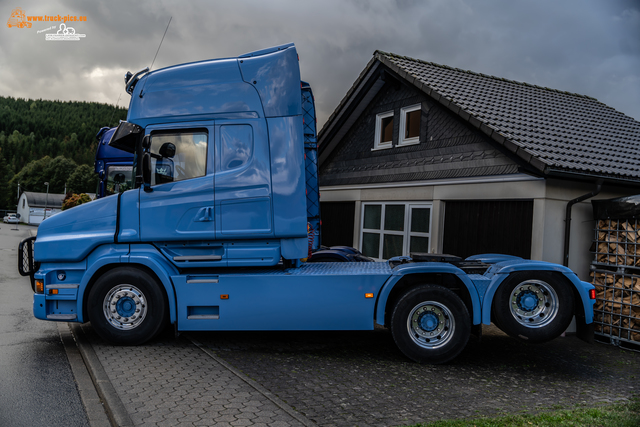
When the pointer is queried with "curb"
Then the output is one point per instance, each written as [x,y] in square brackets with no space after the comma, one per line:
[113,406]
[96,414]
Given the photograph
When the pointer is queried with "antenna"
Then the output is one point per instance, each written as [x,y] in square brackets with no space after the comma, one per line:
[114,110]
[165,33]
[154,58]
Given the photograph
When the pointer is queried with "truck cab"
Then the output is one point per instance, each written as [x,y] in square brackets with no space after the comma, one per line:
[219,161]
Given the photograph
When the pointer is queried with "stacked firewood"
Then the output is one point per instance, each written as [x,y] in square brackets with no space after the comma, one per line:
[618,242]
[617,307]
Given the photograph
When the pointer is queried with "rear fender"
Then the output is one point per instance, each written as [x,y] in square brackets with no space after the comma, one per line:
[503,269]
[405,270]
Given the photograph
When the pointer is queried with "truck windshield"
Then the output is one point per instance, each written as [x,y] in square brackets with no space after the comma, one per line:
[119,179]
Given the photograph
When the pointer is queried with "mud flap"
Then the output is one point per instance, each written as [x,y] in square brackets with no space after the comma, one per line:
[583,331]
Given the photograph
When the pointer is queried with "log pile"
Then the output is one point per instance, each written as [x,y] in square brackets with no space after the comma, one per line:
[617,279]
[617,307]
[618,242]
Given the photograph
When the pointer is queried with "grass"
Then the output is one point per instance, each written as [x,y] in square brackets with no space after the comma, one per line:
[614,415]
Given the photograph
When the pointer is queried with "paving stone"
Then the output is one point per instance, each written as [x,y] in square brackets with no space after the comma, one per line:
[360,378]
[173,382]
[355,378]
[241,422]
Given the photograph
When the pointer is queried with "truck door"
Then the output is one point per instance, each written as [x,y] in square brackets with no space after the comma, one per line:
[243,179]
[180,205]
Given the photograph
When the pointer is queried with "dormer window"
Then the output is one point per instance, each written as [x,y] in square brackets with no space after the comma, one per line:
[410,125]
[384,131]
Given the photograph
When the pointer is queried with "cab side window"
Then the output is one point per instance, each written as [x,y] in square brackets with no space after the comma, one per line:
[176,156]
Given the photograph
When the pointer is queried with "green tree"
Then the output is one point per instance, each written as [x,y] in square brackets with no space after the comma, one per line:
[31,177]
[54,171]
[31,129]
[82,180]
[58,172]
[5,190]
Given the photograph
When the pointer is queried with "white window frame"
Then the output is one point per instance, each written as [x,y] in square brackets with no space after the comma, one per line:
[406,233]
[402,141]
[377,144]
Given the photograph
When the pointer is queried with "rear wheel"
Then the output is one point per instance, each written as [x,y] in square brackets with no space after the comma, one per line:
[127,306]
[535,306]
[430,324]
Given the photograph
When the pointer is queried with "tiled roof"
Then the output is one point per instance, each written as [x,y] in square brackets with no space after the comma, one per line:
[554,132]
[550,129]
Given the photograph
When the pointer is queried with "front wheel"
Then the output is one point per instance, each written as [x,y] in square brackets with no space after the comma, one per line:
[534,306]
[430,324]
[127,306]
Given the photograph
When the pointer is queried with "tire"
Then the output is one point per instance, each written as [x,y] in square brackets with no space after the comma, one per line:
[430,324]
[127,306]
[533,306]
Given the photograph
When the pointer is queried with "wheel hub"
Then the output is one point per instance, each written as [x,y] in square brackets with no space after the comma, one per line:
[430,324]
[527,300]
[125,307]
[533,303]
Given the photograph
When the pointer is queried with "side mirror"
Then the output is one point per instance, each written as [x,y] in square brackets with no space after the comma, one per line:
[126,137]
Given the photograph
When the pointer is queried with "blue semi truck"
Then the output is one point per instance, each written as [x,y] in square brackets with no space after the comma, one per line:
[114,167]
[216,229]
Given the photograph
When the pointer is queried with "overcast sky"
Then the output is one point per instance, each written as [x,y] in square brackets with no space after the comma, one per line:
[590,47]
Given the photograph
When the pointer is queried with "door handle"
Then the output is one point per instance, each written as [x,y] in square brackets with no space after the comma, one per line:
[204,214]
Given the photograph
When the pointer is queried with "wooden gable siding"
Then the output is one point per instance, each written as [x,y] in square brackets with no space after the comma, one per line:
[448,147]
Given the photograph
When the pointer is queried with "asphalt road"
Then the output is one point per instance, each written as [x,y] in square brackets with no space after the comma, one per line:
[37,387]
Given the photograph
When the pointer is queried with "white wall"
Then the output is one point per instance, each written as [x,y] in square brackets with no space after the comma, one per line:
[550,199]
[558,194]
[24,212]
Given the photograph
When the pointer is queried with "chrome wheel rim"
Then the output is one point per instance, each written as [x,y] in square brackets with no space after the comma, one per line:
[533,303]
[125,307]
[430,324]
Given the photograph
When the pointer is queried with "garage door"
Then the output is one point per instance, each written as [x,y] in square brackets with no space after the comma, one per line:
[476,227]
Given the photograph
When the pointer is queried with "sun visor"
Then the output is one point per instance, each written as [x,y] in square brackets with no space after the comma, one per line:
[126,137]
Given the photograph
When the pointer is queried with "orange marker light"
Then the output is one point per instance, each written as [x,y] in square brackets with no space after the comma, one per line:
[368,295]
[224,296]
[53,292]
[39,286]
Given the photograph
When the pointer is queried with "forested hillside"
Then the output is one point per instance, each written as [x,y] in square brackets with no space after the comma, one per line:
[48,141]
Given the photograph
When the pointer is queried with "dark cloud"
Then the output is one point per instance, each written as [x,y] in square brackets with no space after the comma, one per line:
[584,46]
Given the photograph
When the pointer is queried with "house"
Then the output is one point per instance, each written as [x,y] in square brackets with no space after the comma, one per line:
[421,157]
[31,206]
